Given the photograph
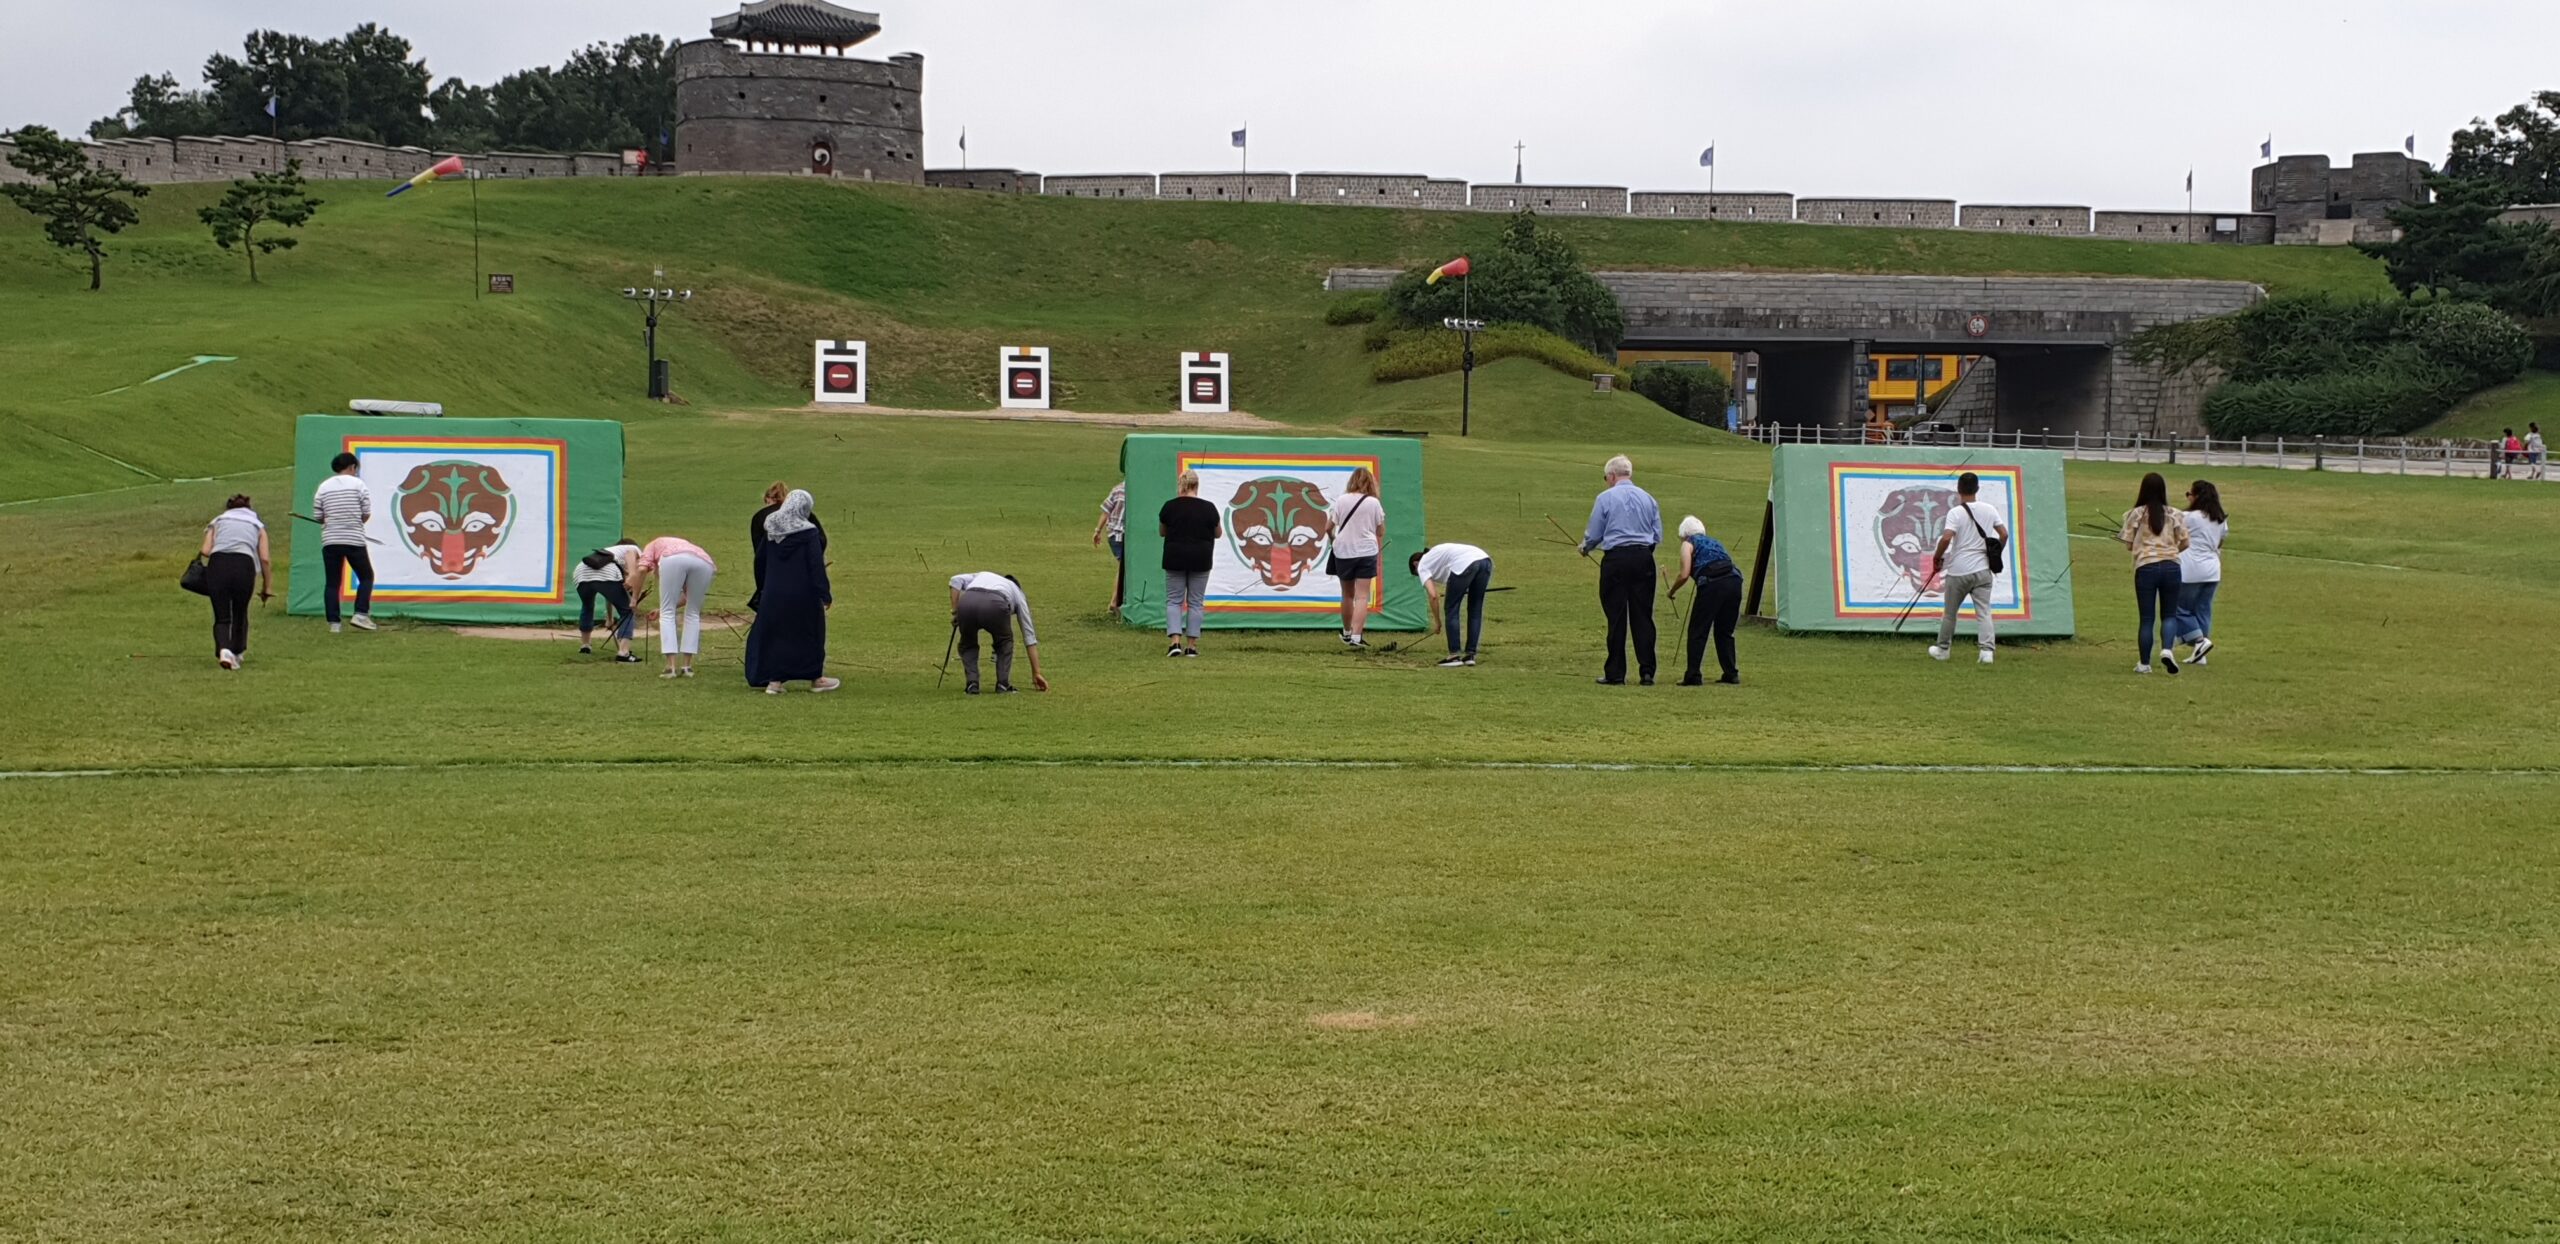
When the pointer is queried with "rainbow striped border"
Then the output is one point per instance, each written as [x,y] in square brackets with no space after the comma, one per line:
[1266,606]
[553,593]
[1841,472]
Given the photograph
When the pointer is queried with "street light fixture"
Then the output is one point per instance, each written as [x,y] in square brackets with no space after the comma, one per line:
[653,299]
[1466,330]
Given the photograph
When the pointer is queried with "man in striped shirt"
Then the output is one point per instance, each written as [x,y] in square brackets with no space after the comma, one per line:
[344,505]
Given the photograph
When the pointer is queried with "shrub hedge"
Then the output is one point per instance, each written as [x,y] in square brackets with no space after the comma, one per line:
[2321,366]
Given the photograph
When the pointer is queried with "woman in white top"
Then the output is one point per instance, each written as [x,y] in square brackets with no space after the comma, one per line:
[600,576]
[1359,528]
[235,555]
[2199,569]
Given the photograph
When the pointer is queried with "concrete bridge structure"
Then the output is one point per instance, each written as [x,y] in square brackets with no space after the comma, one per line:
[2059,342]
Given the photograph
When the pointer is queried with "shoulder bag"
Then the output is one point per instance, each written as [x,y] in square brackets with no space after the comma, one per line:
[1991,545]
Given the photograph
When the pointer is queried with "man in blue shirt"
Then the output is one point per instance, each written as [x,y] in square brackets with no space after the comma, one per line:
[1625,526]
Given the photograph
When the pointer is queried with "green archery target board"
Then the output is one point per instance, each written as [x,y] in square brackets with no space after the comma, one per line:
[474,520]
[1857,525]
[1272,495]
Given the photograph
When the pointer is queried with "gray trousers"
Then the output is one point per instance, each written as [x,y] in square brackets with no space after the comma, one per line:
[992,613]
[1185,600]
[1977,586]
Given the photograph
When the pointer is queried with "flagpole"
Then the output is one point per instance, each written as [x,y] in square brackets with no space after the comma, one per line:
[1244,160]
[476,282]
[2191,205]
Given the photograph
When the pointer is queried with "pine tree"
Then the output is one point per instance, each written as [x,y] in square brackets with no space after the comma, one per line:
[77,200]
[279,198]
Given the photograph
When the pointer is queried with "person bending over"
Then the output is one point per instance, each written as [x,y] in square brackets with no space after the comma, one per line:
[600,576]
[990,603]
[1457,574]
[1719,604]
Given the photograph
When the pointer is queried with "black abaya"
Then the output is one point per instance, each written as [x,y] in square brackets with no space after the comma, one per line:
[788,641]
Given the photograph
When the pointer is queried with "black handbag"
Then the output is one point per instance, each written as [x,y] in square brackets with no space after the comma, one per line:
[1991,545]
[192,578]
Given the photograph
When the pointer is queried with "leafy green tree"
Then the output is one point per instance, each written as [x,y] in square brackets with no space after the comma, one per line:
[386,88]
[279,199]
[2455,246]
[1528,276]
[156,108]
[77,200]
[2517,157]
[465,117]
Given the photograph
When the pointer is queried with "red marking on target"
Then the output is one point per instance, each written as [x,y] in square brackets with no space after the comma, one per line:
[1023,377]
[842,374]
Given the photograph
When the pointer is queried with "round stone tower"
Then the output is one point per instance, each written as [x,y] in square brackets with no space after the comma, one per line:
[774,90]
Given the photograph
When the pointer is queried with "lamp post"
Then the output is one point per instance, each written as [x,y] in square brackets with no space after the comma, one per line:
[653,299]
[1466,330]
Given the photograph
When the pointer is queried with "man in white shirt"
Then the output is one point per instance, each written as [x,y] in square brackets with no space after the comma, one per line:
[1964,558]
[990,602]
[344,505]
[1459,574]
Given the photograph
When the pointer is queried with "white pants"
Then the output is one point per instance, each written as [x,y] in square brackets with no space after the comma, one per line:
[686,579]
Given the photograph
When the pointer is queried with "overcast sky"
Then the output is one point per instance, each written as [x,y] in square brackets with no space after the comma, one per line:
[1987,101]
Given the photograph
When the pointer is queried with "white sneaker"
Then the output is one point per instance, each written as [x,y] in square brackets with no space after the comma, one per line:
[1985,658]
[363,621]
[2142,669]
[1937,653]
[1453,661]
[2169,659]
[227,659]
[334,628]
[2203,646]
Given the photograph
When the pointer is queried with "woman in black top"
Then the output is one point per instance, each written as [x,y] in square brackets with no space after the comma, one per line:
[1189,526]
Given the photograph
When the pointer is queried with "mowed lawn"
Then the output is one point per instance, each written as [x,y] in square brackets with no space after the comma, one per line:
[1008,1003]
[586,964]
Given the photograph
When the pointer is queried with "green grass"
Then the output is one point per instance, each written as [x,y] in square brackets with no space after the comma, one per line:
[2531,398]
[416,935]
[376,302]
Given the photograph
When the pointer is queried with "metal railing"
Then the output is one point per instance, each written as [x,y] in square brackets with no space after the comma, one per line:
[2397,455]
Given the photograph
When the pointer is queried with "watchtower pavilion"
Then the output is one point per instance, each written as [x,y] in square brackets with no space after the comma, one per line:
[775,89]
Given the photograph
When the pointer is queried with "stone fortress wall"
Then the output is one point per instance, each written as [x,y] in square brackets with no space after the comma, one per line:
[162,161]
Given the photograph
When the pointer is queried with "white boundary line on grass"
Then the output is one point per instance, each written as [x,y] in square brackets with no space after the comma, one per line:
[1282,763]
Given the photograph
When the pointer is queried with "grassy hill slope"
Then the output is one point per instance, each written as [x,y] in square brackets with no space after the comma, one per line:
[377,302]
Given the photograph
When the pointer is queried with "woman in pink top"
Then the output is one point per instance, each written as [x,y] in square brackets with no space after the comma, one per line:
[687,571]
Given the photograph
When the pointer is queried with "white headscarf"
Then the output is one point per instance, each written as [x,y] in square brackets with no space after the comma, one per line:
[792,516]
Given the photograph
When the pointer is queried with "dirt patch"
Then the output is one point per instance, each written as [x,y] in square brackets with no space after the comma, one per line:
[1238,421]
[1362,1021]
[541,634]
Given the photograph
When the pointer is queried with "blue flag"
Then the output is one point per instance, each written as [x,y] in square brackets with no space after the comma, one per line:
[271,104]
[1236,139]
[2267,149]
[2410,144]
[1707,158]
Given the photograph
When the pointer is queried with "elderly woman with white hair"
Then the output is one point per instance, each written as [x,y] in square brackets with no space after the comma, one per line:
[788,641]
[1718,605]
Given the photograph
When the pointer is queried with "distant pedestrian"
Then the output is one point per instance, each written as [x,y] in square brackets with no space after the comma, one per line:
[235,556]
[1717,606]
[2511,448]
[1963,562]
[1114,526]
[343,504]
[2534,451]
[989,603]
[2158,539]
[1453,575]
[601,576]
[1626,525]
[687,571]
[1359,528]
[2200,569]
[1189,526]
[787,642]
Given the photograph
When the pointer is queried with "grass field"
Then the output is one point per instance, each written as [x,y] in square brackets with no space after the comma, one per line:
[422,936]
[2531,398]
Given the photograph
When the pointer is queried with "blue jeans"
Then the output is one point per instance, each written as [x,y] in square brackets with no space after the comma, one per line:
[2195,612]
[615,596]
[1467,587]
[2155,592]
